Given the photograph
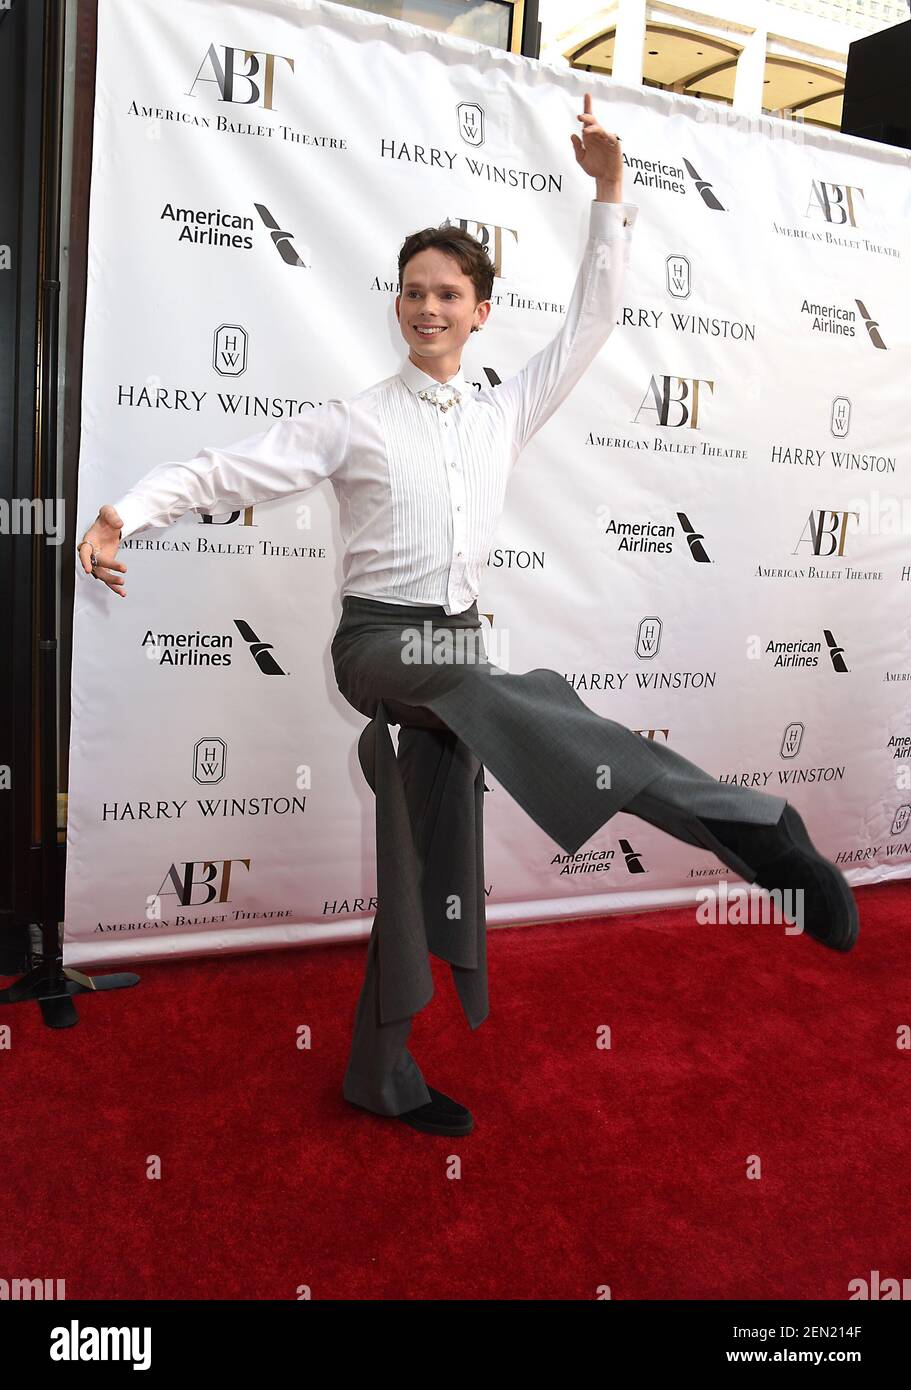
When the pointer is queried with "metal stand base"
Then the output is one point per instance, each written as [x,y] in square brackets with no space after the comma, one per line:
[52,987]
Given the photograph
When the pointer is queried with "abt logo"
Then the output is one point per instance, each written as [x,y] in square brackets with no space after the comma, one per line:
[834,202]
[214,877]
[825,527]
[242,76]
[489,235]
[245,517]
[677,393]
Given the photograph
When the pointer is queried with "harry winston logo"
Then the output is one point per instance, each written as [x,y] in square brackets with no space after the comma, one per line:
[841,417]
[229,350]
[678,276]
[256,86]
[791,740]
[209,760]
[648,638]
[900,820]
[471,122]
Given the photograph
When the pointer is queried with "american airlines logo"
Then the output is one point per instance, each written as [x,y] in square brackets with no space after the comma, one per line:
[704,188]
[652,537]
[631,857]
[208,648]
[281,239]
[233,231]
[671,178]
[260,651]
[871,325]
[803,653]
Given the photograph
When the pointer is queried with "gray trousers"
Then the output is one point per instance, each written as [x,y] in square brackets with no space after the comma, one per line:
[528,719]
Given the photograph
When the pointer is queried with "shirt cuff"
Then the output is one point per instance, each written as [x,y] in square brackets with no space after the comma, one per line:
[610,219]
[131,513]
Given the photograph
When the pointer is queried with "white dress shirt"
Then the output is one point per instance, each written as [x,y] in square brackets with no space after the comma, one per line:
[419,489]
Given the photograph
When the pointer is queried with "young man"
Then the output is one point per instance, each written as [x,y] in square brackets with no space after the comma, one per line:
[420,464]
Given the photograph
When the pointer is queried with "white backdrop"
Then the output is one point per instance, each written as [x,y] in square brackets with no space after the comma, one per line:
[726,483]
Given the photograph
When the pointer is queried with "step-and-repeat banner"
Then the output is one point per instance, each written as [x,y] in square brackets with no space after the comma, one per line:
[709,539]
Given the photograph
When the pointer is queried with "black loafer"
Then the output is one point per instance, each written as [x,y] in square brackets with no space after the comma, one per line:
[440,1115]
[788,860]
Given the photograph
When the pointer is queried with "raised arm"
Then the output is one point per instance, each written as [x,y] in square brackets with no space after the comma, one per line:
[533,394]
[290,456]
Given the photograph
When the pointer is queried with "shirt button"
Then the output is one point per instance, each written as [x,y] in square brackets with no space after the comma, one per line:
[459,507]
[460,552]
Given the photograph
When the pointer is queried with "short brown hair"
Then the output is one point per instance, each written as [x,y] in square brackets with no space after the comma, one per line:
[462,246]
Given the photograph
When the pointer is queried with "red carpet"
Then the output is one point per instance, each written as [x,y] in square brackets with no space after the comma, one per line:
[624,1167]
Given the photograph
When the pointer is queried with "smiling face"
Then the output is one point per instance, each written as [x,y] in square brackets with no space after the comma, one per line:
[439,296]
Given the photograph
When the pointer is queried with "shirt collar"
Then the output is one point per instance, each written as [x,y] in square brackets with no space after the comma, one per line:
[417,380]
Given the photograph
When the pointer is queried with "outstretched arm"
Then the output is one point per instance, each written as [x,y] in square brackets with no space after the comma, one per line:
[290,456]
[533,394]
